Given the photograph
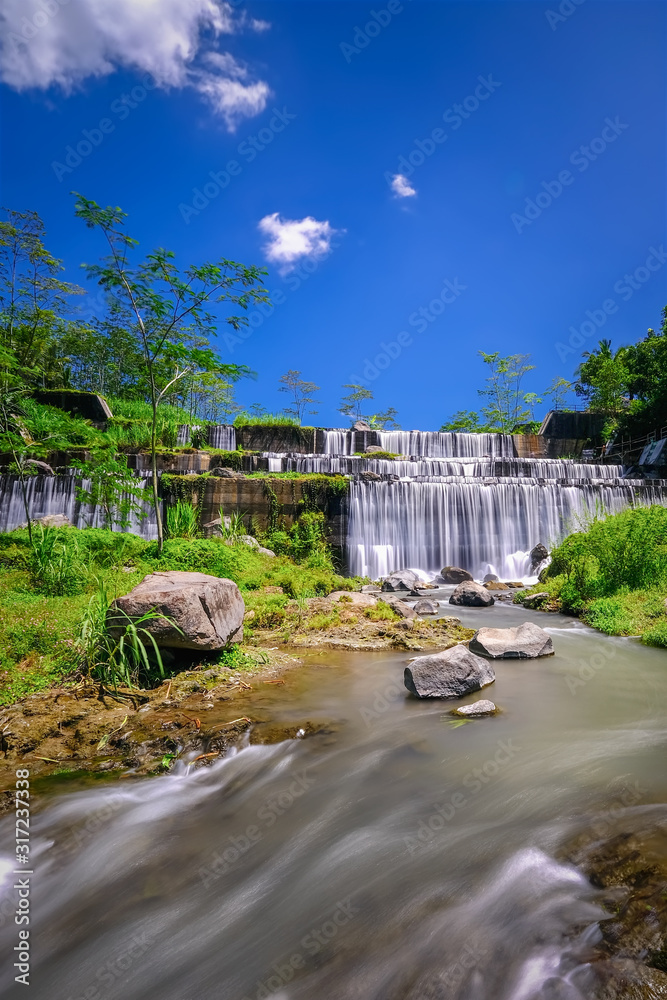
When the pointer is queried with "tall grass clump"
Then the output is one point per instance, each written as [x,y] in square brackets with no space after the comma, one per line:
[265,420]
[56,566]
[182,521]
[125,654]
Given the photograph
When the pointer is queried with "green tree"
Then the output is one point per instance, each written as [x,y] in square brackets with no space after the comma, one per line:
[352,403]
[167,307]
[602,379]
[301,392]
[559,390]
[32,301]
[111,486]
[463,420]
[385,420]
[12,414]
[506,402]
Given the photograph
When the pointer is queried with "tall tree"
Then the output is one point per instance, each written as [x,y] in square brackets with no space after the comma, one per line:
[300,391]
[506,405]
[167,307]
[352,403]
[602,379]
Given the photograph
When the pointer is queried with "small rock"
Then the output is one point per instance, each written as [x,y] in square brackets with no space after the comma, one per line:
[372,448]
[266,552]
[496,585]
[401,608]
[520,643]
[515,584]
[361,425]
[454,574]
[476,710]
[406,624]
[369,477]
[471,595]
[490,578]
[51,521]
[537,556]
[370,588]
[451,674]
[227,473]
[424,607]
[248,540]
[248,616]
[533,601]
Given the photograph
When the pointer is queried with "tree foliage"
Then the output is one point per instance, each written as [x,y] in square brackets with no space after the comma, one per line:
[301,391]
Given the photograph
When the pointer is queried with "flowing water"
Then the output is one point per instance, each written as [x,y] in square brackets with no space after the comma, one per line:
[390,856]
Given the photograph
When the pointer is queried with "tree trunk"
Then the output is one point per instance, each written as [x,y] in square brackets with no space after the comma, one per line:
[156,496]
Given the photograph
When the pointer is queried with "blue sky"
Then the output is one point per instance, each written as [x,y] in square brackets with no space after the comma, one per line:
[533,200]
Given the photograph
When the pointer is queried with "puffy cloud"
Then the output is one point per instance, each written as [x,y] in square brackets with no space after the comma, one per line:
[402,187]
[63,42]
[291,239]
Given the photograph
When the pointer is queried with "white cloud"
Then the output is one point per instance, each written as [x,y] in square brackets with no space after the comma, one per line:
[56,43]
[402,187]
[290,239]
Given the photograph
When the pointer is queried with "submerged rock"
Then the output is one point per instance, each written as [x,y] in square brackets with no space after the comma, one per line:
[197,611]
[476,710]
[426,607]
[454,574]
[537,556]
[495,585]
[451,674]
[520,643]
[471,595]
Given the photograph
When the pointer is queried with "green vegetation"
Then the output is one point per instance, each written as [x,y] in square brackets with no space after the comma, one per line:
[388,455]
[301,393]
[51,628]
[613,574]
[267,420]
[352,404]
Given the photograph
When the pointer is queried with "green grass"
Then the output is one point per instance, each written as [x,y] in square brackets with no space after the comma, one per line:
[266,420]
[389,455]
[613,574]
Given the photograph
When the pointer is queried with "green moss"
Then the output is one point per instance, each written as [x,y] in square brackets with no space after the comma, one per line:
[389,455]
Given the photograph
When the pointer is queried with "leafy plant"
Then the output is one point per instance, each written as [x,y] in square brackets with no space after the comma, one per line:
[111,486]
[182,521]
[56,565]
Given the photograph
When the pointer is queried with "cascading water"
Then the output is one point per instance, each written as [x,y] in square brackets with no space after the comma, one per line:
[49,495]
[222,436]
[441,444]
[482,527]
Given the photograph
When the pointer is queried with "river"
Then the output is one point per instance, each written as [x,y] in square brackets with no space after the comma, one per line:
[393,855]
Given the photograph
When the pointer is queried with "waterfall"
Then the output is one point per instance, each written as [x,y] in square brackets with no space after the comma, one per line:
[484,528]
[441,444]
[222,436]
[57,495]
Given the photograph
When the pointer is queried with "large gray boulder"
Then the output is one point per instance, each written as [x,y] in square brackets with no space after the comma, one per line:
[426,607]
[471,595]
[451,674]
[538,555]
[402,579]
[523,642]
[454,574]
[198,611]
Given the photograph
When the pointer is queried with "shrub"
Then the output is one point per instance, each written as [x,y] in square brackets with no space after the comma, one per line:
[656,636]
[182,521]
[56,566]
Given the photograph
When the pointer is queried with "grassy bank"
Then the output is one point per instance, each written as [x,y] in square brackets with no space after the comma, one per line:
[43,604]
[613,574]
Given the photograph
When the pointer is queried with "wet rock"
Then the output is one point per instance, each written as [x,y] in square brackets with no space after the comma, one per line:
[197,611]
[496,585]
[514,584]
[451,674]
[51,521]
[520,643]
[537,556]
[369,477]
[425,607]
[471,595]
[224,473]
[401,580]
[533,601]
[490,578]
[454,574]
[353,597]
[476,710]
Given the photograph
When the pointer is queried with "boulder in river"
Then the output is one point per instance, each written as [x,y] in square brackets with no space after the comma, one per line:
[454,574]
[402,579]
[523,642]
[537,556]
[197,611]
[495,585]
[400,607]
[426,607]
[476,710]
[490,578]
[471,595]
[451,674]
